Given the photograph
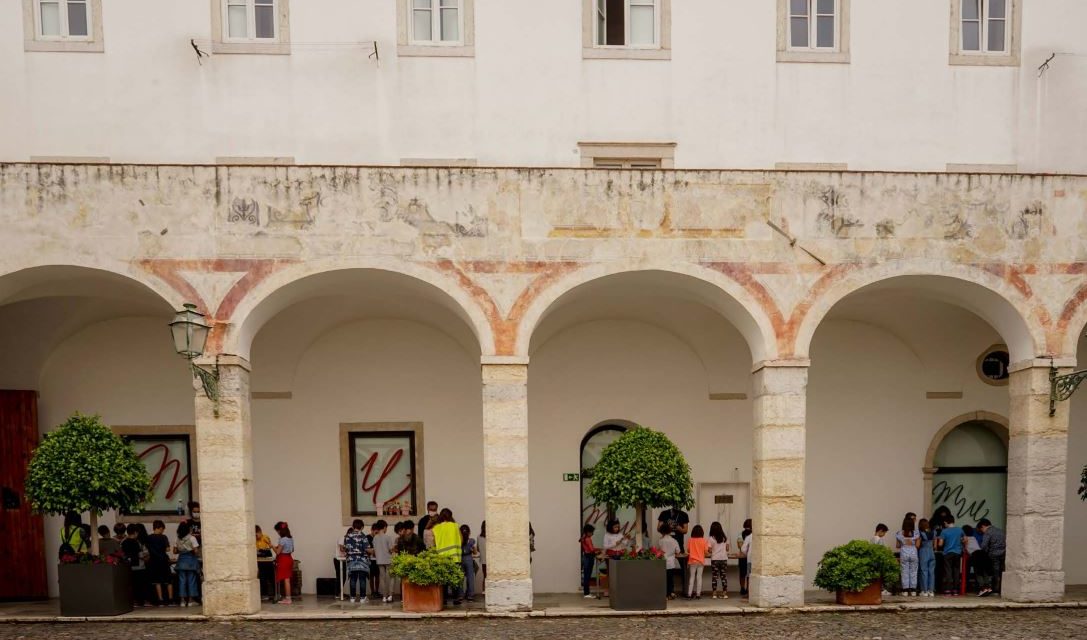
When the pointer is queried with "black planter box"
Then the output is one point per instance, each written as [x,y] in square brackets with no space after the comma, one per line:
[637,585]
[95,589]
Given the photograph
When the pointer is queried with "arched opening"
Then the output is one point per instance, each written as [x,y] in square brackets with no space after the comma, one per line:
[969,466]
[592,512]
[1075,511]
[367,402]
[88,340]
[652,347]
[890,363]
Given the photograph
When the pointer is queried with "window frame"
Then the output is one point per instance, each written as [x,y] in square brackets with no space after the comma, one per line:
[250,22]
[349,431]
[131,433]
[838,54]
[35,40]
[628,154]
[661,49]
[1013,24]
[408,46]
[222,42]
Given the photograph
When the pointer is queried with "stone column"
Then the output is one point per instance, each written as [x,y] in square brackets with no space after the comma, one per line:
[224,455]
[505,483]
[1037,456]
[777,515]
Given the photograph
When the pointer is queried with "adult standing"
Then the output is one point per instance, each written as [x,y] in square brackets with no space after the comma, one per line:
[995,545]
[431,513]
[266,569]
[447,541]
[677,522]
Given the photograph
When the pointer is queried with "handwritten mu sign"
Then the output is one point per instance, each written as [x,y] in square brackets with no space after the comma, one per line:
[383,473]
[167,460]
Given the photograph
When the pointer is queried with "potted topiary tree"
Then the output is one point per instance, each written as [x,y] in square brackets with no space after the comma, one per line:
[641,468]
[857,571]
[83,466]
[424,578]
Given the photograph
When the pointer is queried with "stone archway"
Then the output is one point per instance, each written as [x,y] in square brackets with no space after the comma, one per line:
[994,422]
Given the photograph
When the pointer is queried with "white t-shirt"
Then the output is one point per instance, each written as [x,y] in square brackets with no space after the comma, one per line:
[338,552]
[614,542]
[718,550]
[670,548]
[748,550]
[971,544]
[481,544]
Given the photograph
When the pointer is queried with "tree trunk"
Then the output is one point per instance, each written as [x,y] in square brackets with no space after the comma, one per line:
[94,533]
[639,514]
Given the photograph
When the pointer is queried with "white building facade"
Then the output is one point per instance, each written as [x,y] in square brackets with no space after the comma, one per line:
[795,236]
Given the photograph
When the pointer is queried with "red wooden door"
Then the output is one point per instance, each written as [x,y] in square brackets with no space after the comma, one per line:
[22,562]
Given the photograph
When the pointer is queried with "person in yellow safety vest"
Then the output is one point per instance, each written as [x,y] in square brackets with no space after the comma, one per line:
[447,541]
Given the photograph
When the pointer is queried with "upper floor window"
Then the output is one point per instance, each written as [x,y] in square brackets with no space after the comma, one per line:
[813,24]
[435,27]
[985,32]
[813,30]
[627,29]
[63,19]
[628,155]
[249,20]
[435,21]
[250,26]
[62,25]
[985,25]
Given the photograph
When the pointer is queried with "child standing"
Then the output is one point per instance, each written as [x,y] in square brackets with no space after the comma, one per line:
[672,554]
[383,556]
[696,559]
[481,544]
[907,543]
[468,554]
[134,555]
[718,548]
[158,563]
[926,559]
[588,558]
[188,565]
[356,550]
[284,560]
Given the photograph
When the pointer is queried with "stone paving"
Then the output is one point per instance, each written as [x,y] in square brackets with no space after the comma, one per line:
[1022,624]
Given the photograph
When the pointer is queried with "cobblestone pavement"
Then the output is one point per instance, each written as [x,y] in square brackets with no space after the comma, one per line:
[1024,624]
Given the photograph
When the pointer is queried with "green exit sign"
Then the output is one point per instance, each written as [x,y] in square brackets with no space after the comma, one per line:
[571,477]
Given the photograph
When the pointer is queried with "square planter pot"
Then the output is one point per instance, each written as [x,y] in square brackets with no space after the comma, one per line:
[420,599]
[637,585]
[872,594]
[95,589]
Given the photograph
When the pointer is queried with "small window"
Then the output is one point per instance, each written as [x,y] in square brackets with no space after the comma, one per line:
[984,26]
[625,163]
[813,25]
[250,20]
[985,32]
[62,19]
[627,23]
[436,22]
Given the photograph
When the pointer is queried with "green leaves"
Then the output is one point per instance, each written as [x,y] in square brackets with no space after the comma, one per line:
[428,568]
[83,466]
[854,566]
[643,467]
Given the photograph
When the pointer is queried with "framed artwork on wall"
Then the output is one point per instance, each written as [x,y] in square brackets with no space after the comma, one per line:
[382,469]
[169,455]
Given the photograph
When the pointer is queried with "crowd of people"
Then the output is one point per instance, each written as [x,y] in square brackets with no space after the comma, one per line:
[937,551]
[157,565]
[684,563]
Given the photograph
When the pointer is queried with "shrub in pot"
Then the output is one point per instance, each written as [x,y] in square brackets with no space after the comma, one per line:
[424,578]
[857,571]
[80,467]
[641,468]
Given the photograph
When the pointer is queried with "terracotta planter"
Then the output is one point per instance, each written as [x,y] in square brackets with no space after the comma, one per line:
[636,585]
[95,589]
[420,599]
[872,594]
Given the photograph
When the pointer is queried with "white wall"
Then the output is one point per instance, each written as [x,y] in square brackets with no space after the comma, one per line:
[528,97]
[373,370]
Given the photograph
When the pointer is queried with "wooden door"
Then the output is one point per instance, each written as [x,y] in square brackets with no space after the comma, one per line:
[22,562]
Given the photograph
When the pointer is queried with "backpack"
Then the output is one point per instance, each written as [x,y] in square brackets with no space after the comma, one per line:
[66,548]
